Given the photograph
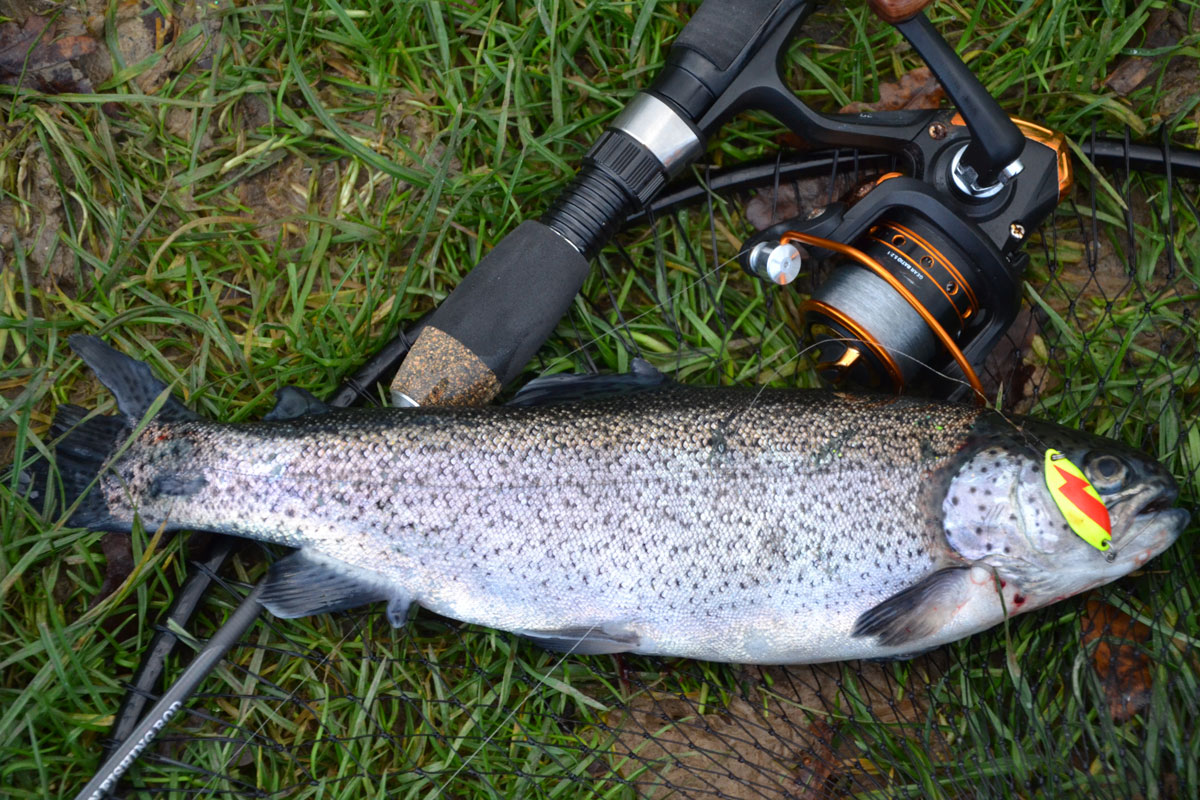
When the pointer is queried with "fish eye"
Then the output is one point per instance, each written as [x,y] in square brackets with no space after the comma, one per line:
[1106,472]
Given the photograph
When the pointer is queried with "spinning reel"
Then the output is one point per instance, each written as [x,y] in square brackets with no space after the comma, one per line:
[925,274]
[928,261]
[926,266]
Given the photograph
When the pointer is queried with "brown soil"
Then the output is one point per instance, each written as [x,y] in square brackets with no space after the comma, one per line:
[36,219]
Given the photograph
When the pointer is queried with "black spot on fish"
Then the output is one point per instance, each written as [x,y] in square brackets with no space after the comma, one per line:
[176,485]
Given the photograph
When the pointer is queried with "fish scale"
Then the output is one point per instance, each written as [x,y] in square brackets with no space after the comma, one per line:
[755,526]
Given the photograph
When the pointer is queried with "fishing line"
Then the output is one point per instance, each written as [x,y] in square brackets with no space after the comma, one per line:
[653,310]
[1028,437]
[325,659]
[703,279]
[504,723]
[847,340]
[172,700]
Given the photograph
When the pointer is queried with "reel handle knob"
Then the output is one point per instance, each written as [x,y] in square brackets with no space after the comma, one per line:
[894,11]
[775,263]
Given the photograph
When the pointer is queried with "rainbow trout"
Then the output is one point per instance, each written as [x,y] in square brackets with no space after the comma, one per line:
[753,526]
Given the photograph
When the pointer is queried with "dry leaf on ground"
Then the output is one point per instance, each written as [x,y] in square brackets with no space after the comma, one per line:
[1134,70]
[32,54]
[916,89]
[1118,657]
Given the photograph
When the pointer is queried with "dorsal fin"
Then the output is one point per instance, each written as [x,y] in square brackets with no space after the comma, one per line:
[554,389]
[292,402]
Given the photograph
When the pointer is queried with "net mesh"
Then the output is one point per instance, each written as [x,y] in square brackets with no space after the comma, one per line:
[1096,696]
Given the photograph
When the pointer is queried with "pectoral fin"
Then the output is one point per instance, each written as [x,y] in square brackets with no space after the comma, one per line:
[300,585]
[919,611]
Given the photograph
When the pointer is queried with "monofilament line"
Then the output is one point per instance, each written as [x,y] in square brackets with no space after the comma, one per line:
[504,722]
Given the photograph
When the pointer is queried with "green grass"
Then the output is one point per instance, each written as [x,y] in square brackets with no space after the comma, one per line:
[276,207]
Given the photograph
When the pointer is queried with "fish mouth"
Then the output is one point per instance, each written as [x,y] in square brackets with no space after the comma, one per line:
[1154,520]
[1162,502]
[1153,499]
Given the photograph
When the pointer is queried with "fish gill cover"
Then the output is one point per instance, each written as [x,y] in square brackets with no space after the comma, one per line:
[266,263]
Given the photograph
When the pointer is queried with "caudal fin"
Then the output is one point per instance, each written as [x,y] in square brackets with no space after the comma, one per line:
[82,446]
[136,388]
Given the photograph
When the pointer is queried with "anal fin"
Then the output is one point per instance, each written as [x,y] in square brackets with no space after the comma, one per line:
[300,585]
[905,656]
[584,641]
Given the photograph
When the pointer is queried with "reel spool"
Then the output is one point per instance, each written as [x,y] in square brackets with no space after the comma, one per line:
[869,334]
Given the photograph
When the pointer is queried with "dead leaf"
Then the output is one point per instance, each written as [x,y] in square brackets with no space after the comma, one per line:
[1134,70]
[118,552]
[795,198]
[22,49]
[343,68]
[1009,366]
[1119,659]
[817,763]
[16,41]
[770,743]
[34,55]
[916,89]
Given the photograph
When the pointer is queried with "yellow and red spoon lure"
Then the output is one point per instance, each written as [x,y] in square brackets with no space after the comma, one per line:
[1078,500]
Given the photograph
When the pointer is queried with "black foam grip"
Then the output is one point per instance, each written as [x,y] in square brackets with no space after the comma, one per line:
[510,302]
[720,29]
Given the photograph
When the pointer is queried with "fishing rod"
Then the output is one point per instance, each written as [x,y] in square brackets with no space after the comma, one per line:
[929,260]
[972,175]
